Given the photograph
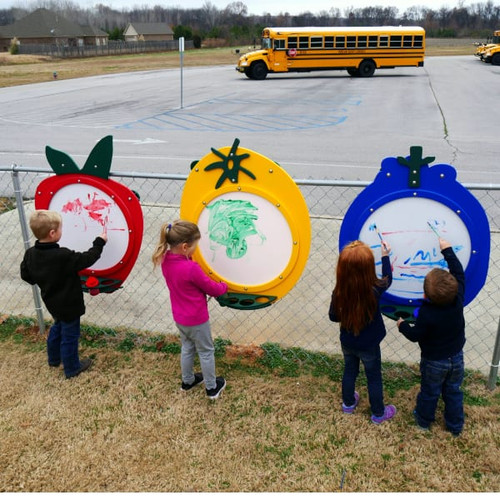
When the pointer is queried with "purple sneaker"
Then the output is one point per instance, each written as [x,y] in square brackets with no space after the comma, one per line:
[350,409]
[389,412]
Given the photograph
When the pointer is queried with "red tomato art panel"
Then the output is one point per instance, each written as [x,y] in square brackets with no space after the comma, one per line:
[89,202]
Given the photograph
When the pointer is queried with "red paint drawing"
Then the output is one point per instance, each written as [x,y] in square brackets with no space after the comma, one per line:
[97,209]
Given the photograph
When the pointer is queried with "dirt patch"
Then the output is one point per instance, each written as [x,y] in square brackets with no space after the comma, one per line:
[248,353]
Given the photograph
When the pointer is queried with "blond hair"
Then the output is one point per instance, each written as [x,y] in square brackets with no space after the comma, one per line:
[440,287]
[172,235]
[44,221]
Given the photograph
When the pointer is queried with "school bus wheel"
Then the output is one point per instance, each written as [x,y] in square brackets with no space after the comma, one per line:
[366,68]
[259,70]
[353,72]
[248,73]
[495,60]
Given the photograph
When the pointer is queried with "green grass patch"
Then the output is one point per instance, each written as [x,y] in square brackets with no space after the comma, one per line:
[276,360]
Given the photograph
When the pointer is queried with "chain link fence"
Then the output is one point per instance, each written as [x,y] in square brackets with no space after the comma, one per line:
[299,320]
[111,48]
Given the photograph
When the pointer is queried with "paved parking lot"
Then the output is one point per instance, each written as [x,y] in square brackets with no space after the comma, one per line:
[317,125]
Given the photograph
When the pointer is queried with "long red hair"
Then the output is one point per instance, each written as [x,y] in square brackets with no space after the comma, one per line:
[354,299]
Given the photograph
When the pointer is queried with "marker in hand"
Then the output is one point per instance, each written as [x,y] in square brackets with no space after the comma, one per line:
[384,245]
[434,229]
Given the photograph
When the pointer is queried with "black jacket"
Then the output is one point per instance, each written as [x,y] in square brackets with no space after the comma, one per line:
[440,330]
[55,271]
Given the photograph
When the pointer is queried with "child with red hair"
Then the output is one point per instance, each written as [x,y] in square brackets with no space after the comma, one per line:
[355,305]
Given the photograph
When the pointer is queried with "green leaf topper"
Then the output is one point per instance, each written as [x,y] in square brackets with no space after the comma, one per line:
[98,163]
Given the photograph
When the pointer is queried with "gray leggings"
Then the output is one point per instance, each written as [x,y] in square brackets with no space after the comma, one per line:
[197,339]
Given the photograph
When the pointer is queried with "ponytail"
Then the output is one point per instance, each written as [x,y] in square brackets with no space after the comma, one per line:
[173,234]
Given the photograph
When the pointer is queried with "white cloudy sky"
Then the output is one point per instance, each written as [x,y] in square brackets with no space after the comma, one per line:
[261,6]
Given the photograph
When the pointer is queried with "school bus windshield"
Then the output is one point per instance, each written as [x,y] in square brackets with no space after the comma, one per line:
[266,43]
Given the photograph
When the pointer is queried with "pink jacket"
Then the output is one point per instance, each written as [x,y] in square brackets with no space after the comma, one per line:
[189,286]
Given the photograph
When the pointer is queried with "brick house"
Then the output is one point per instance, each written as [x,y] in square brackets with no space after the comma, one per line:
[145,32]
[43,26]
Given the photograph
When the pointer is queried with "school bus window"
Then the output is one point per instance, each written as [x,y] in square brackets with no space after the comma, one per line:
[316,42]
[292,42]
[362,42]
[328,42]
[266,43]
[384,41]
[339,42]
[373,41]
[279,44]
[303,42]
[417,42]
[396,41]
[351,42]
[407,41]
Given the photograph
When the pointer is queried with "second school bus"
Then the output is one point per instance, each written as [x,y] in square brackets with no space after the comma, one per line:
[360,51]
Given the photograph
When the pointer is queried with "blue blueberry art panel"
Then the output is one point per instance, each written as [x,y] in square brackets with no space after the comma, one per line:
[410,204]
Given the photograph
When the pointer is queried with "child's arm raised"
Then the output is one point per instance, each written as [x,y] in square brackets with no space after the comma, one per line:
[82,260]
[454,265]
[386,248]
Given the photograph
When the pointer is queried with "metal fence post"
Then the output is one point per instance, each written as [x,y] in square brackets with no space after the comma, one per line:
[492,380]
[26,238]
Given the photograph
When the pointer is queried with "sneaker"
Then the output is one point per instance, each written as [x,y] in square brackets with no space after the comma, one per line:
[420,427]
[84,365]
[389,412]
[350,409]
[198,379]
[219,387]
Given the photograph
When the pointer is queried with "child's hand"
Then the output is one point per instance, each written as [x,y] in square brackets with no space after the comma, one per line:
[386,248]
[400,320]
[444,244]
[104,235]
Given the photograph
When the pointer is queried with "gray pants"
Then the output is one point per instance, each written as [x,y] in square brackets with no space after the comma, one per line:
[197,339]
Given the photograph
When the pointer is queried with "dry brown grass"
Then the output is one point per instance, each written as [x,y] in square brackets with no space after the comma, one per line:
[125,426]
[23,69]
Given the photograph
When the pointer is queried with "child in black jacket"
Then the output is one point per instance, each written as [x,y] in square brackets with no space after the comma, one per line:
[55,271]
[440,333]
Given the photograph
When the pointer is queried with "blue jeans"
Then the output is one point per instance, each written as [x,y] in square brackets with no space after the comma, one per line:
[373,370]
[443,377]
[62,345]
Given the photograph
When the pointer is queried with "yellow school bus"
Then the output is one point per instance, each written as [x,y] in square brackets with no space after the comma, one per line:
[360,51]
[492,41]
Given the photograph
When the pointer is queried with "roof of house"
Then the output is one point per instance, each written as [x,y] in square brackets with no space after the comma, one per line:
[92,31]
[44,23]
[150,28]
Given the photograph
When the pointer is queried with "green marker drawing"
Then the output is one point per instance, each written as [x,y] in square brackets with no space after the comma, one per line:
[230,223]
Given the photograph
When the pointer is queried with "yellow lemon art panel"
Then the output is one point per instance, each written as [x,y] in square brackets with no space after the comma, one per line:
[254,224]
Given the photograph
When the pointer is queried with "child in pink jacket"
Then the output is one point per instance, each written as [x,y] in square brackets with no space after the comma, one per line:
[189,287]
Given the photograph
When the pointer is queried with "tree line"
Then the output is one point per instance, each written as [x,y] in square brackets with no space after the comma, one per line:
[233,24]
